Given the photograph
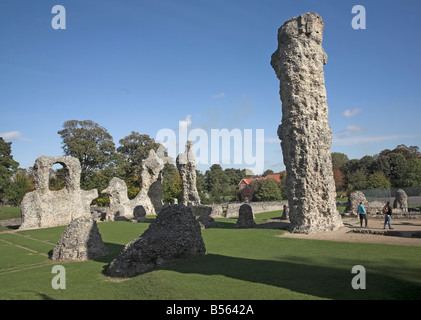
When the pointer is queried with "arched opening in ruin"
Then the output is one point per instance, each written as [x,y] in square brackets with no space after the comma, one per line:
[58,176]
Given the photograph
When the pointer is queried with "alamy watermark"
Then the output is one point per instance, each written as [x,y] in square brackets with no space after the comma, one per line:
[223,146]
[59,20]
[359,20]
[58,281]
[358,282]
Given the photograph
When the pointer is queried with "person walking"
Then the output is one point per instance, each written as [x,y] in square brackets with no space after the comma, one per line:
[362,214]
[387,211]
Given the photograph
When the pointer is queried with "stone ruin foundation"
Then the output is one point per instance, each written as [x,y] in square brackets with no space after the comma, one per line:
[149,199]
[43,208]
[80,241]
[174,236]
[305,132]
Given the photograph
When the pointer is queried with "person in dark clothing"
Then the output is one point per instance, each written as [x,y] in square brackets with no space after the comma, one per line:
[387,211]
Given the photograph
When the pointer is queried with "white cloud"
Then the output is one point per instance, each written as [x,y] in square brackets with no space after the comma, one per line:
[218,95]
[13,135]
[348,141]
[350,113]
[352,129]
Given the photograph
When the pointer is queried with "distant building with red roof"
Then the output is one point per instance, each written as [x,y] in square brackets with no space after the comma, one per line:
[246,181]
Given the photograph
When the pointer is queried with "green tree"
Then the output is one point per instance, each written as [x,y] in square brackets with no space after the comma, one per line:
[378,180]
[268,172]
[411,152]
[218,183]
[267,190]
[171,184]
[367,165]
[201,185]
[135,148]
[8,166]
[393,166]
[91,144]
[339,159]
[57,179]
[356,181]
[412,174]
[21,184]
[350,167]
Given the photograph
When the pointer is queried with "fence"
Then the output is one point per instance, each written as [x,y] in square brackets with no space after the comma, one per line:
[413,193]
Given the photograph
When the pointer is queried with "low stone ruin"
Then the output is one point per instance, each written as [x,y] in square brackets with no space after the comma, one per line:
[43,208]
[186,165]
[174,236]
[149,198]
[285,213]
[139,214]
[120,204]
[401,200]
[354,200]
[257,207]
[245,217]
[80,241]
[213,210]
[305,132]
[207,222]
[374,207]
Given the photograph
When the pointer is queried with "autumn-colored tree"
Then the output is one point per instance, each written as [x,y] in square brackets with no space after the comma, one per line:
[339,178]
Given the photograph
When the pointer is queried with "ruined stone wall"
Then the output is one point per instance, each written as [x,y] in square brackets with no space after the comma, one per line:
[149,198]
[257,207]
[44,208]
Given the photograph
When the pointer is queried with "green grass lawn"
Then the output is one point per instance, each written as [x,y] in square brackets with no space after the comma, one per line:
[9,213]
[240,264]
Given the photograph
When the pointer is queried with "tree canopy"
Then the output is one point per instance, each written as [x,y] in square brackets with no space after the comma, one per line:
[90,143]
[8,166]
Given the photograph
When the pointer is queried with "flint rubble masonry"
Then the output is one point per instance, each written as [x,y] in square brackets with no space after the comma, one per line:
[305,132]
[43,208]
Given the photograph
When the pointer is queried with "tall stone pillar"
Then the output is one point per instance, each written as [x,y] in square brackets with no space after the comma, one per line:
[305,132]
[186,165]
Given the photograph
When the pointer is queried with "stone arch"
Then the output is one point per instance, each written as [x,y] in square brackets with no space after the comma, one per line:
[43,207]
[71,168]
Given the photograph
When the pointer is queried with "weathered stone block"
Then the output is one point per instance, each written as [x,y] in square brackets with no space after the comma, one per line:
[173,237]
[245,217]
[80,241]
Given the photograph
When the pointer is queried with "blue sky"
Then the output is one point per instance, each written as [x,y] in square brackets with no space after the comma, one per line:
[146,65]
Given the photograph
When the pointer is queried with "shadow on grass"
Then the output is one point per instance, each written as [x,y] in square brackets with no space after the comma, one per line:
[115,250]
[319,281]
[298,275]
